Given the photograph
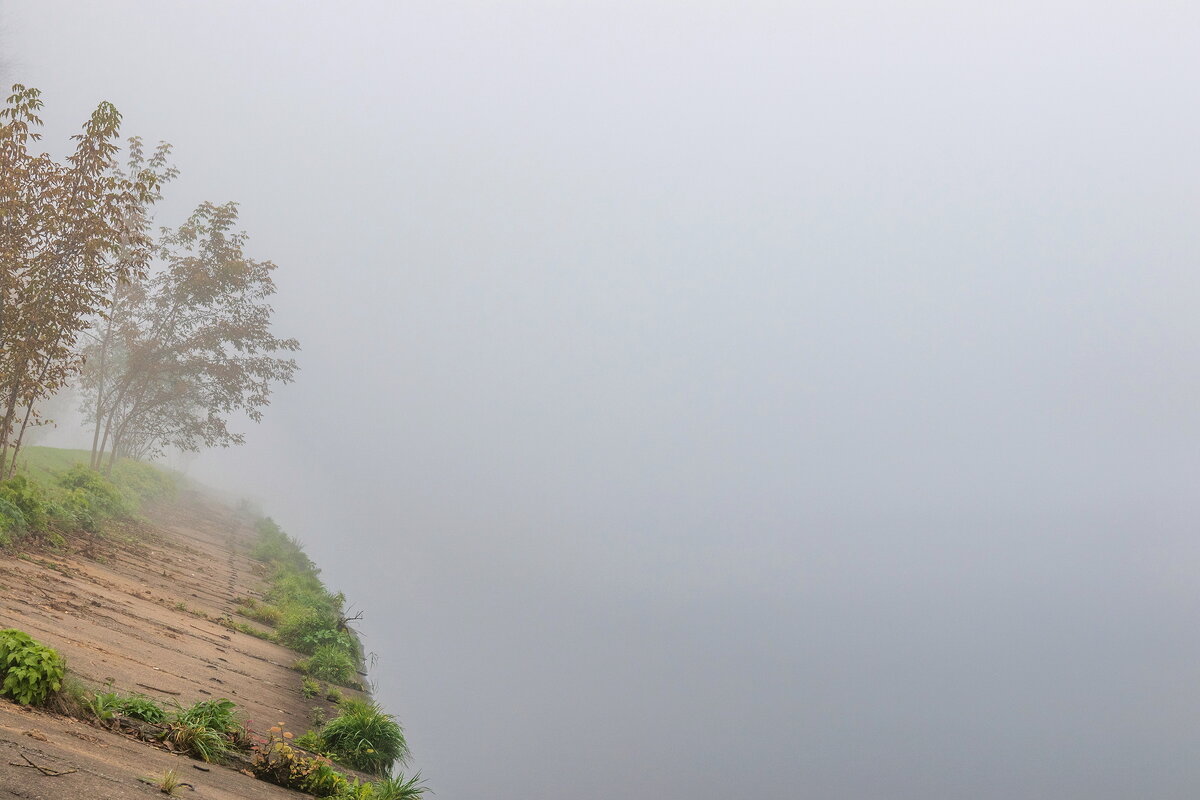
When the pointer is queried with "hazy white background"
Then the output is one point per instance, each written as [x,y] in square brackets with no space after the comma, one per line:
[705,399]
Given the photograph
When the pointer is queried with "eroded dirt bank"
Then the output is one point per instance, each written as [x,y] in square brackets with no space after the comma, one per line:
[133,614]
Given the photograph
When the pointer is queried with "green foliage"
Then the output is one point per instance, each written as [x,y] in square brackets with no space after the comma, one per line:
[29,499]
[11,520]
[207,730]
[219,715]
[312,742]
[306,628]
[260,612]
[106,705]
[142,482]
[92,498]
[330,664]
[310,688]
[334,695]
[31,671]
[202,743]
[56,492]
[275,546]
[399,788]
[307,616]
[276,760]
[364,737]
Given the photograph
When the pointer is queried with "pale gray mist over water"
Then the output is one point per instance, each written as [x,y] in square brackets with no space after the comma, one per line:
[704,399]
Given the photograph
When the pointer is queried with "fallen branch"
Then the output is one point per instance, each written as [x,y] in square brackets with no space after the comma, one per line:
[52,773]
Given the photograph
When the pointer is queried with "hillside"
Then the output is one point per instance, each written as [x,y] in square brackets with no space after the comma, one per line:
[149,607]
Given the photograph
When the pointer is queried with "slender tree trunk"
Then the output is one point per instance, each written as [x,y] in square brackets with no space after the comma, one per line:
[102,371]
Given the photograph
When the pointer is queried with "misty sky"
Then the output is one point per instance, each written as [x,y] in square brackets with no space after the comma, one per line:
[774,400]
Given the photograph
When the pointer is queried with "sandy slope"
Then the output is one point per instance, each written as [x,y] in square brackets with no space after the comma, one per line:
[115,612]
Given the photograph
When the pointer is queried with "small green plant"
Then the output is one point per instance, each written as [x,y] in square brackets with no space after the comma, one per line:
[318,716]
[169,783]
[31,671]
[106,705]
[362,736]
[334,695]
[311,741]
[219,715]
[310,688]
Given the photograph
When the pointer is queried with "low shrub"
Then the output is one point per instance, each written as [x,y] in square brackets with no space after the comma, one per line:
[330,664]
[12,521]
[307,628]
[362,736]
[28,498]
[31,671]
[94,496]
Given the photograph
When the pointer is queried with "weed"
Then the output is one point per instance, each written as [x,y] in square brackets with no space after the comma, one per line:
[334,695]
[318,716]
[169,782]
[72,700]
[310,688]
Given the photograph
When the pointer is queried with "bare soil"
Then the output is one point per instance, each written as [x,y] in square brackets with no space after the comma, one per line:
[140,611]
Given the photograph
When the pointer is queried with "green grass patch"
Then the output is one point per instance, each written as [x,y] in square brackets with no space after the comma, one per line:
[307,617]
[54,492]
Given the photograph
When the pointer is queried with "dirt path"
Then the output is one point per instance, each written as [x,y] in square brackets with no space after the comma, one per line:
[133,615]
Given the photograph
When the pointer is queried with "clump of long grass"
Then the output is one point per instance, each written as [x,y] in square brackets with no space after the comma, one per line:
[399,788]
[207,730]
[364,737]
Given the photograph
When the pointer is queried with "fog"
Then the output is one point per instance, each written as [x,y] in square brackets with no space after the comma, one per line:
[705,399]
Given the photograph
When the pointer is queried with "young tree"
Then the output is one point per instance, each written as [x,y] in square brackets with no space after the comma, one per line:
[67,236]
[191,345]
[104,353]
